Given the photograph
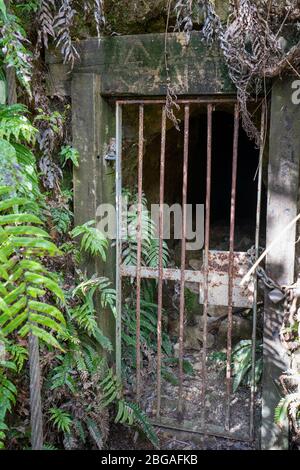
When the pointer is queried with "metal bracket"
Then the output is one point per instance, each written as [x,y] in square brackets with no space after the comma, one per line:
[111,154]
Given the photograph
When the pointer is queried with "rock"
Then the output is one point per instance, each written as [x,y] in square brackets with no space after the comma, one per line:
[241,329]
[210,321]
[176,350]
[217,310]
[196,264]
[193,338]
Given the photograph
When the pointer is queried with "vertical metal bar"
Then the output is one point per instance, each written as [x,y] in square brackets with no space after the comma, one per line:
[160,267]
[206,254]
[183,250]
[257,235]
[231,263]
[118,238]
[139,253]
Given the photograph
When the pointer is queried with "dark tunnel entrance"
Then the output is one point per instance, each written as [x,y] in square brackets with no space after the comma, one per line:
[221,174]
[196,331]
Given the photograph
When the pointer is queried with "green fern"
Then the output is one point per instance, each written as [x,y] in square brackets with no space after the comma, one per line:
[101,285]
[62,218]
[8,391]
[150,244]
[61,420]
[93,241]
[15,126]
[23,278]
[127,413]
[242,364]
[288,406]
[71,154]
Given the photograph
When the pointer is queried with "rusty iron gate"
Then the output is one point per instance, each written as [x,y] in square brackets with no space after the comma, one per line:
[219,279]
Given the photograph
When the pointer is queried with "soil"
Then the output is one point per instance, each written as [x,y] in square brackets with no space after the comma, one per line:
[216,405]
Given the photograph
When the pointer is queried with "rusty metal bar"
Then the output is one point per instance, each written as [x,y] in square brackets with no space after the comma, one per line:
[118,239]
[257,235]
[212,430]
[231,264]
[183,251]
[160,267]
[200,100]
[139,253]
[206,257]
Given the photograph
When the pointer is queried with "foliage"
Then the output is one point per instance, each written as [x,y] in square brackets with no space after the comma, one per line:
[62,218]
[289,405]
[24,281]
[241,363]
[13,45]
[61,420]
[93,241]
[69,153]
[61,25]
[127,412]
[12,358]
[149,243]
[24,286]
[56,20]
[15,126]
[17,161]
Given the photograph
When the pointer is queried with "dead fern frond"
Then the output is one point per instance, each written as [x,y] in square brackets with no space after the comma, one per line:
[184,17]
[99,15]
[62,27]
[45,21]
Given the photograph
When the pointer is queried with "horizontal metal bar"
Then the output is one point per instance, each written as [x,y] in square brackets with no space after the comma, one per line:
[209,430]
[200,100]
[168,274]
[217,278]
[218,263]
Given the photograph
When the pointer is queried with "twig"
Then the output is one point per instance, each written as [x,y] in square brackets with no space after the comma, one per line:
[247,276]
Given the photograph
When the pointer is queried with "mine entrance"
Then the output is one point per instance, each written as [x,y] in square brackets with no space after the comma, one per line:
[188,334]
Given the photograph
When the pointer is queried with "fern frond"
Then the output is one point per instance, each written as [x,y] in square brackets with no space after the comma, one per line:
[15,126]
[62,25]
[143,422]
[46,20]
[61,419]
[93,241]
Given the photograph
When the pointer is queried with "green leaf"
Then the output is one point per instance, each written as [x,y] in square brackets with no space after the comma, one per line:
[47,309]
[45,281]
[3,9]
[19,218]
[15,323]
[42,334]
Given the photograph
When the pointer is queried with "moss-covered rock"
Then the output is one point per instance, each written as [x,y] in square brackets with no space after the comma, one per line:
[148,16]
